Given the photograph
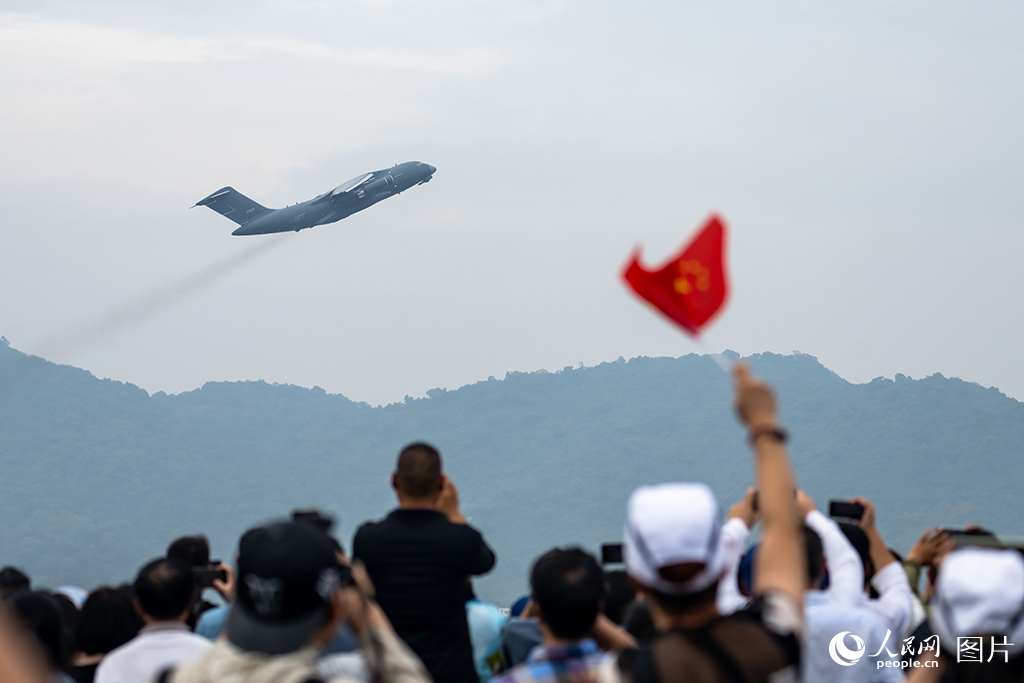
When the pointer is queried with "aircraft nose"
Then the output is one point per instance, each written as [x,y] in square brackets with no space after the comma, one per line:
[431,169]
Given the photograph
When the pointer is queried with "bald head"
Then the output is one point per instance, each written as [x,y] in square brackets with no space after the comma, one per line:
[418,474]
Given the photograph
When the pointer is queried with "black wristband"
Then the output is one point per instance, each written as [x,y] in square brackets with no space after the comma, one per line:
[777,434]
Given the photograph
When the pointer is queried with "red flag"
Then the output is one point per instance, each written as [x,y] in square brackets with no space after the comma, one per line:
[692,287]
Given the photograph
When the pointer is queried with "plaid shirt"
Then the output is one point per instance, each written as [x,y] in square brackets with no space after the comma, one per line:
[576,663]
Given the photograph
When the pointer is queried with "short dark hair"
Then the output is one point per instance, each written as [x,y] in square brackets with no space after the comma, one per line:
[107,620]
[681,604]
[13,580]
[568,586]
[418,470]
[68,610]
[165,588]
[192,550]
[815,553]
[42,616]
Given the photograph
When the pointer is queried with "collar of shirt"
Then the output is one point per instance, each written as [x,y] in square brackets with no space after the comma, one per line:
[164,627]
[414,513]
[561,653]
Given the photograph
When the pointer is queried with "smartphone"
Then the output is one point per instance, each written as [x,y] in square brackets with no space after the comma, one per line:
[971,540]
[611,553]
[345,576]
[970,531]
[205,576]
[844,509]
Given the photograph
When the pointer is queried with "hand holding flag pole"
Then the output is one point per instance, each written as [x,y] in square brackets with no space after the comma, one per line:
[691,288]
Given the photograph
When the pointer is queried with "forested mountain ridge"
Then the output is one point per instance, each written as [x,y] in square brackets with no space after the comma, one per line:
[97,476]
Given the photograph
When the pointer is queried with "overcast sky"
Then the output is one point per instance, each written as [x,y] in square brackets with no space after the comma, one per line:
[867,156]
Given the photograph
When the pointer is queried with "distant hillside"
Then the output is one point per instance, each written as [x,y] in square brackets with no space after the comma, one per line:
[97,476]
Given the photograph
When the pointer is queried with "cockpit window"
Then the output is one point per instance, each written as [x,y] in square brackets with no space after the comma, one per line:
[349,184]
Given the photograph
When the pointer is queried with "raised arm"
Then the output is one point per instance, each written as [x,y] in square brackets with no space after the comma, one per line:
[845,570]
[481,557]
[932,544]
[735,533]
[780,561]
[895,603]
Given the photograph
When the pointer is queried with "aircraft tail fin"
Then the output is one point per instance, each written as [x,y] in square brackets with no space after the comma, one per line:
[232,204]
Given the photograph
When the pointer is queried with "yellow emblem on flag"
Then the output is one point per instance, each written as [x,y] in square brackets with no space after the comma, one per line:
[692,275]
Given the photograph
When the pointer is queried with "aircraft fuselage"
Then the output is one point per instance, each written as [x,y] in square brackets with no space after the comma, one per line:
[353,196]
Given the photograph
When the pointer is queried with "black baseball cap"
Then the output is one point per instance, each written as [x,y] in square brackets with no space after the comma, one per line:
[287,575]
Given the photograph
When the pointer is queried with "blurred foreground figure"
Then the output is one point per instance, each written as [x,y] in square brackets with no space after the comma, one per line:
[978,614]
[20,660]
[674,552]
[41,616]
[293,594]
[165,592]
[420,558]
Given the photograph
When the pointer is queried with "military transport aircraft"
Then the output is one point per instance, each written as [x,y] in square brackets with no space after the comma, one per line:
[346,199]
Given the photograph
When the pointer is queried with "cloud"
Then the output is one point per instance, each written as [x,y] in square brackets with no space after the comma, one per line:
[26,40]
[29,44]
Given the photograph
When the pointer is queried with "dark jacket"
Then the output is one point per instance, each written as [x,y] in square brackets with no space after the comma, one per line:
[420,564]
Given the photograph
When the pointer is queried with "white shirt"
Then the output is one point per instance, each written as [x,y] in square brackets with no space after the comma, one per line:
[894,605]
[734,541]
[824,619]
[845,570]
[895,602]
[159,646]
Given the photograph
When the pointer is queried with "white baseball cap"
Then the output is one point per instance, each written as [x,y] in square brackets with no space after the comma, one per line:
[980,591]
[670,524]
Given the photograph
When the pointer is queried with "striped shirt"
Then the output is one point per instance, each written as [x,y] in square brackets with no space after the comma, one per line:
[576,663]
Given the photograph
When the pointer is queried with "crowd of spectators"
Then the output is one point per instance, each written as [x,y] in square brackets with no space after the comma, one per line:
[777,591]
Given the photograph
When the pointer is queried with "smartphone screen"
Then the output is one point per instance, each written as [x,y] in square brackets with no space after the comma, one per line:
[844,509]
[205,576]
[611,553]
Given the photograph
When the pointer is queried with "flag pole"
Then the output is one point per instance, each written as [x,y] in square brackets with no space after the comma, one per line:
[721,360]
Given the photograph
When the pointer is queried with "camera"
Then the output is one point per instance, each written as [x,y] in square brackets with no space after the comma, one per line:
[314,518]
[205,576]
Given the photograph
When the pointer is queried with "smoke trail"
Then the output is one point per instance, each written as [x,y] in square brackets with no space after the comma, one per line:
[151,303]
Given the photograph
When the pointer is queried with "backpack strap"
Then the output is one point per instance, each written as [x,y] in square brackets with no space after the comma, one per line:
[165,677]
[639,665]
[725,660]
